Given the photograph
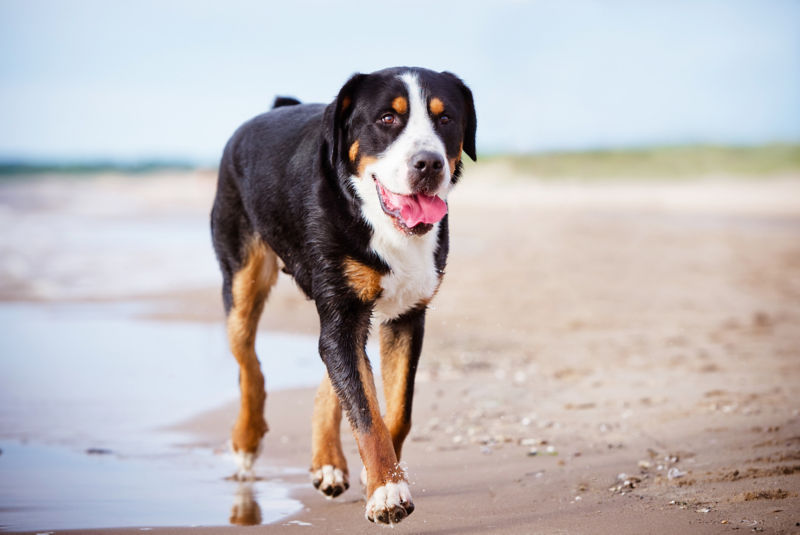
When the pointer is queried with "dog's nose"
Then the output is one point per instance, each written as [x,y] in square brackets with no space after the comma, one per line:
[426,172]
[427,162]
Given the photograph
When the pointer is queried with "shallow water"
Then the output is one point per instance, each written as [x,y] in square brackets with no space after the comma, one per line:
[55,487]
[80,377]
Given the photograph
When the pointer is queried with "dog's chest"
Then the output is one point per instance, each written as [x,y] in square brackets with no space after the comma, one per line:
[413,278]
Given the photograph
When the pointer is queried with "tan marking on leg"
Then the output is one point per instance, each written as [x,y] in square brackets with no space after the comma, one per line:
[364,280]
[395,363]
[400,105]
[250,288]
[436,106]
[326,444]
[375,445]
[353,151]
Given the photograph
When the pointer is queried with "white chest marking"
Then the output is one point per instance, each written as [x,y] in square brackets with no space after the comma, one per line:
[413,276]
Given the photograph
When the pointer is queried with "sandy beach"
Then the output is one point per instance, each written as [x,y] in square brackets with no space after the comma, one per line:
[603,356]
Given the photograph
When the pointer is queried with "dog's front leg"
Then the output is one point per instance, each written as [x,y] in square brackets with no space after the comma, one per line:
[401,345]
[342,347]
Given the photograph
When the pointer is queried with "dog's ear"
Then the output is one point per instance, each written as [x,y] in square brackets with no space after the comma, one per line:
[471,124]
[336,116]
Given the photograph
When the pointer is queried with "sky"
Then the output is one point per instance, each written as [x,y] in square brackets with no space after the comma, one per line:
[172,79]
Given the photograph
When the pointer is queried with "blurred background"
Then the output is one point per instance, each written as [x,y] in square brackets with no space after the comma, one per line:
[134,81]
[625,251]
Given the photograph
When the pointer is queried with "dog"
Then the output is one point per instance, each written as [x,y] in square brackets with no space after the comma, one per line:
[350,199]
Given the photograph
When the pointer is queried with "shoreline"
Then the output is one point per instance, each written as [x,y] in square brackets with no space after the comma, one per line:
[576,484]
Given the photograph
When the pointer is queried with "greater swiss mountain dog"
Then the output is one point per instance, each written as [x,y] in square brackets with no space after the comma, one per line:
[350,199]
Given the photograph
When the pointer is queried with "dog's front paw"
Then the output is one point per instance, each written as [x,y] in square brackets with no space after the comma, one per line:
[390,503]
[330,481]
[244,465]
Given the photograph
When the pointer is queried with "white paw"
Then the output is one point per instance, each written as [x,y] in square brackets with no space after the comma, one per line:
[330,481]
[244,464]
[390,503]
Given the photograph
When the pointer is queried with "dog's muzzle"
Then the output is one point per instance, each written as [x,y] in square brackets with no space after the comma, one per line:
[426,172]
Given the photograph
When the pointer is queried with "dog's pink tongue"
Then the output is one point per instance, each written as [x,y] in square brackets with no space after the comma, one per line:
[416,209]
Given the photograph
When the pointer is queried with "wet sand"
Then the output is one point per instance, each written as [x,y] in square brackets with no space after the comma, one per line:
[601,358]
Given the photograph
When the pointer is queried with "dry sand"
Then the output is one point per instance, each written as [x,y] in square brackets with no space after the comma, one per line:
[602,358]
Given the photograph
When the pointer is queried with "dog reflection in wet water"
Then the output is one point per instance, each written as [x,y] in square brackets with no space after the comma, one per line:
[245,510]
[350,199]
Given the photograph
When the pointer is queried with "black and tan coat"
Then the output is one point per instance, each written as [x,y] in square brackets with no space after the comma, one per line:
[309,189]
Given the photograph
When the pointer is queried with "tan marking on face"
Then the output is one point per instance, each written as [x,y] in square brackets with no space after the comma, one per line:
[436,106]
[454,161]
[364,280]
[400,105]
[326,444]
[375,446]
[395,365]
[250,288]
[363,162]
[353,151]
[345,103]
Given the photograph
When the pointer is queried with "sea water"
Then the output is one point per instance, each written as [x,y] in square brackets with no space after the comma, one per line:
[85,393]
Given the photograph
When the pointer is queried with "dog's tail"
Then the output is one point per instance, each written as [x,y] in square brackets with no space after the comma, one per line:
[284,101]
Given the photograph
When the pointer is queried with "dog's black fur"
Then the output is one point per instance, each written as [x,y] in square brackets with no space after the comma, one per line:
[286,178]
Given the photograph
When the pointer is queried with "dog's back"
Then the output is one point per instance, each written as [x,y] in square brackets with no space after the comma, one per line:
[254,194]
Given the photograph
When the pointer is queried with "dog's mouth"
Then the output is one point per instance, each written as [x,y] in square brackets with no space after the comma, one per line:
[413,214]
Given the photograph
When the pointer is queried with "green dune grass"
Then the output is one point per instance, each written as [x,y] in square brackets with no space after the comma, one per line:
[658,162]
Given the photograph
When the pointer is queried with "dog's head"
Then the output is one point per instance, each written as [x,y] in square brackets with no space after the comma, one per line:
[397,135]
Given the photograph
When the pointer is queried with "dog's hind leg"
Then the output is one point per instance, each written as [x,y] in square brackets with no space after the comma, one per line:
[249,287]
[401,345]
[328,464]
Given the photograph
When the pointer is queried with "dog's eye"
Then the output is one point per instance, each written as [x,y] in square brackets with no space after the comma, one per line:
[388,119]
[444,119]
